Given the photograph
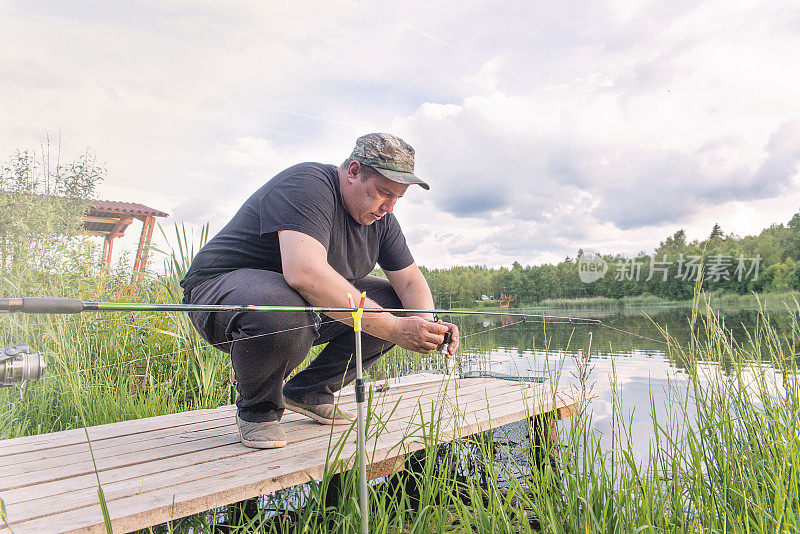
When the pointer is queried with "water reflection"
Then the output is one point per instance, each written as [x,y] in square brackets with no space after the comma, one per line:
[628,350]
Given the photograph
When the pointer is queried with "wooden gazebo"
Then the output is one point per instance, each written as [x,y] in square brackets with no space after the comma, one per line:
[109,219]
[505,299]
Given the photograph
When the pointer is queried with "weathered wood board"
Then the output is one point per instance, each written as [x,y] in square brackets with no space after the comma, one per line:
[161,468]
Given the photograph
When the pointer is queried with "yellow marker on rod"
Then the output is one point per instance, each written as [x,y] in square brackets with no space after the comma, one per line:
[363,503]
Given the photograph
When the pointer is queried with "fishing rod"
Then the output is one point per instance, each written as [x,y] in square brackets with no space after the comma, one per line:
[41,305]
[19,366]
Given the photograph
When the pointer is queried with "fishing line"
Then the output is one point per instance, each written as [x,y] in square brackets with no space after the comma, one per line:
[22,362]
[174,353]
[491,329]
[38,305]
[45,320]
[89,318]
[216,346]
[93,327]
[504,376]
[635,334]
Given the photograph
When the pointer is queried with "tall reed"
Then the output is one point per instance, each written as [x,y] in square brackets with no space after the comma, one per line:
[723,456]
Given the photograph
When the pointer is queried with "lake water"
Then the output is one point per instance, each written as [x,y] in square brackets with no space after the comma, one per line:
[629,340]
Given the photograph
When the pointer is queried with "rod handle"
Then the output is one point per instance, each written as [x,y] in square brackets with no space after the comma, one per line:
[41,305]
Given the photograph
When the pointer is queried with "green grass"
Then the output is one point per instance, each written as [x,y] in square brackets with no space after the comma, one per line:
[724,458]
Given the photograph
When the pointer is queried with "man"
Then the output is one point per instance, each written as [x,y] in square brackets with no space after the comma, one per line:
[309,236]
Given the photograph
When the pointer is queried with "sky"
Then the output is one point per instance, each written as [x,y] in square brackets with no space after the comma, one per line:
[542,127]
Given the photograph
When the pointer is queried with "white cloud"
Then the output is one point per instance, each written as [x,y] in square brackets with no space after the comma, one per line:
[542,128]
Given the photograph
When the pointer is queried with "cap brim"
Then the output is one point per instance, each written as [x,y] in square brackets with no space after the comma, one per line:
[402,177]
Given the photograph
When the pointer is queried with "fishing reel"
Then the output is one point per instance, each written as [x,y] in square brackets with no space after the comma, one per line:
[18,367]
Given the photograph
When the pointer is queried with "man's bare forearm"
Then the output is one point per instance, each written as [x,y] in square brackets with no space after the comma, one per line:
[417,295]
[322,286]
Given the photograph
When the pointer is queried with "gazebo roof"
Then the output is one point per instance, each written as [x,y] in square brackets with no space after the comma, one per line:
[111,216]
[125,207]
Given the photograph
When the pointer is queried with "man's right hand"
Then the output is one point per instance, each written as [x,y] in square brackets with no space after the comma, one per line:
[418,334]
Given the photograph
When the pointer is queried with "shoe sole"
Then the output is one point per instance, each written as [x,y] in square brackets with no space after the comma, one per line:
[276,444]
[316,417]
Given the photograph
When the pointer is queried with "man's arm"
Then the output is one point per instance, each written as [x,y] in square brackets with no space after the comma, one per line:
[412,288]
[414,292]
[306,270]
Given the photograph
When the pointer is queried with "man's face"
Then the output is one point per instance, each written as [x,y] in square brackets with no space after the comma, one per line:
[368,201]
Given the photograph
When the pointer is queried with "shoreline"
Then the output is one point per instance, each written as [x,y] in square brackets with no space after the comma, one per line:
[788,298]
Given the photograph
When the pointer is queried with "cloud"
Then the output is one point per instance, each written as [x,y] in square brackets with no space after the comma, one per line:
[197,210]
[474,201]
[541,128]
[775,173]
[663,186]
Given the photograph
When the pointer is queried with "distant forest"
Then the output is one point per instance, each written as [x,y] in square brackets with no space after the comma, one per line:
[726,263]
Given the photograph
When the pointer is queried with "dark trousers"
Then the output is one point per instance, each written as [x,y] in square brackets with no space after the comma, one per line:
[266,346]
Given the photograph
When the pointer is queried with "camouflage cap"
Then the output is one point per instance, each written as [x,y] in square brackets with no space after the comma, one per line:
[389,155]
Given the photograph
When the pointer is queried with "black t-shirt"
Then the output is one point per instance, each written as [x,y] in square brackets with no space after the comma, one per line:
[304,198]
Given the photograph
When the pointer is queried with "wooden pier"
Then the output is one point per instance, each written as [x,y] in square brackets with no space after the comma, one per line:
[161,468]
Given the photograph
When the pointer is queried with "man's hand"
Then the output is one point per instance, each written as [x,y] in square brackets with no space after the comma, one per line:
[421,335]
[418,334]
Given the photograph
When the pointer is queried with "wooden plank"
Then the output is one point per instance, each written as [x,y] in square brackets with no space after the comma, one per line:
[198,495]
[120,455]
[59,456]
[53,446]
[54,505]
[139,216]
[102,220]
[264,489]
[107,489]
[310,431]
[39,458]
[101,432]
[59,469]
[163,479]
[135,426]
[386,467]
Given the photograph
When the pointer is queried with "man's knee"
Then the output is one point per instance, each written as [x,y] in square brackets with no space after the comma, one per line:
[284,332]
[259,287]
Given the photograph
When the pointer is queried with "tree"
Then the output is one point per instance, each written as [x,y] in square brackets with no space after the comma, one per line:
[715,232]
[791,241]
[41,205]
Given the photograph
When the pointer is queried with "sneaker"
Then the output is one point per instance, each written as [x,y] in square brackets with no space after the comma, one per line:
[326,414]
[268,435]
